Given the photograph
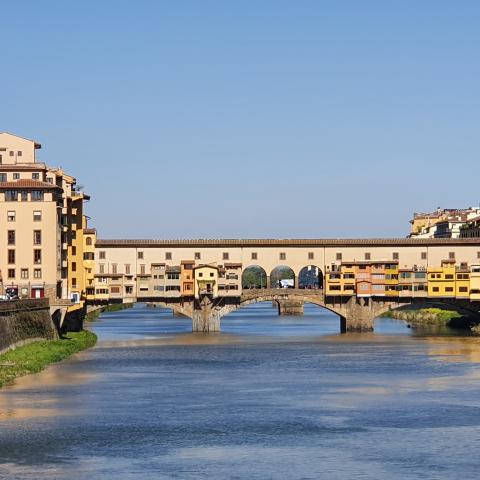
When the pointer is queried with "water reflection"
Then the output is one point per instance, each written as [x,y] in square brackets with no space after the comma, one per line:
[269,397]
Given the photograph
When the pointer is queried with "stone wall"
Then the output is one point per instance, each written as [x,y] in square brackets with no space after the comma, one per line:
[22,321]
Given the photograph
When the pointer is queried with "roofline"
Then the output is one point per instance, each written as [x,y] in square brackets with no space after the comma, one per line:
[36,144]
[265,242]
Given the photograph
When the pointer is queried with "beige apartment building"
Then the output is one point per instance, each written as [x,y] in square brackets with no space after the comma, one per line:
[42,244]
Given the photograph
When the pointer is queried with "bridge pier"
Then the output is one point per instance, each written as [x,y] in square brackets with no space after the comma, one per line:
[205,319]
[357,314]
[290,307]
[356,323]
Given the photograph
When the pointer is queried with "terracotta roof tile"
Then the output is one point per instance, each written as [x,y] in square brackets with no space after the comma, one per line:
[28,184]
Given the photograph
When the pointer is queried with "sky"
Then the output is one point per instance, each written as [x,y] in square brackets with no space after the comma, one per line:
[250,119]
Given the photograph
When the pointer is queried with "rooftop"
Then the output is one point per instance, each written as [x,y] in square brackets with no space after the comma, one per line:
[268,242]
[28,184]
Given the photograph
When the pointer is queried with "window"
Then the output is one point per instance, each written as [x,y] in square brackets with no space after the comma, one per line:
[11,256]
[172,288]
[463,289]
[37,195]
[114,268]
[19,153]
[74,282]
[451,255]
[211,274]
[197,256]
[449,289]
[16,176]
[35,176]
[140,255]
[88,241]
[395,256]
[424,255]
[11,196]
[127,269]
[129,290]
[37,256]
[311,256]
[11,216]
[255,256]
[283,256]
[12,153]
[367,256]
[101,255]
[142,269]
[101,267]
[200,274]
[435,289]
[478,255]
[11,237]
[74,250]
[37,237]
[24,273]
[37,273]
[339,256]
[37,216]
[74,266]
[225,255]
[11,273]
[3,177]
[168,255]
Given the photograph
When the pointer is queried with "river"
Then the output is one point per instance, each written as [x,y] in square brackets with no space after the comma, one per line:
[269,397]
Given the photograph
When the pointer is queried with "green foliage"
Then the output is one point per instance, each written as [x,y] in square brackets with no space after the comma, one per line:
[425,315]
[443,315]
[254,277]
[34,357]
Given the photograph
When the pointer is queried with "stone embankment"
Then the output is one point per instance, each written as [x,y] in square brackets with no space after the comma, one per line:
[24,321]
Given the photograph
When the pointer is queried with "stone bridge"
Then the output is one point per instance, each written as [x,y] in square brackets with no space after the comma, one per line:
[356,314]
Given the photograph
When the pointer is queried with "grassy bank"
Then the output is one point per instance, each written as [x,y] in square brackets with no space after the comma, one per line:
[431,316]
[115,307]
[34,357]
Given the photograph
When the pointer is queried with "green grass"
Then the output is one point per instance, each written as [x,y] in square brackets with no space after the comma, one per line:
[34,357]
[442,315]
[425,315]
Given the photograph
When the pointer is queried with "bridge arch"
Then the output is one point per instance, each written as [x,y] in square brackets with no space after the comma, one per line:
[310,277]
[254,276]
[280,273]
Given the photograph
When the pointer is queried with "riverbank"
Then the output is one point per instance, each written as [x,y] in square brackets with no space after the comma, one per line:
[115,307]
[35,356]
[435,316]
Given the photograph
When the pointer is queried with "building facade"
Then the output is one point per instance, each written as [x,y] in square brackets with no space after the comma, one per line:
[42,247]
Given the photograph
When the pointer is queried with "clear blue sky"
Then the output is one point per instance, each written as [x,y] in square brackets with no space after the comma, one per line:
[250,118]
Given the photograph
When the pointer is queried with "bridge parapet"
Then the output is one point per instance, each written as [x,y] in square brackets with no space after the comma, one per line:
[281,293]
